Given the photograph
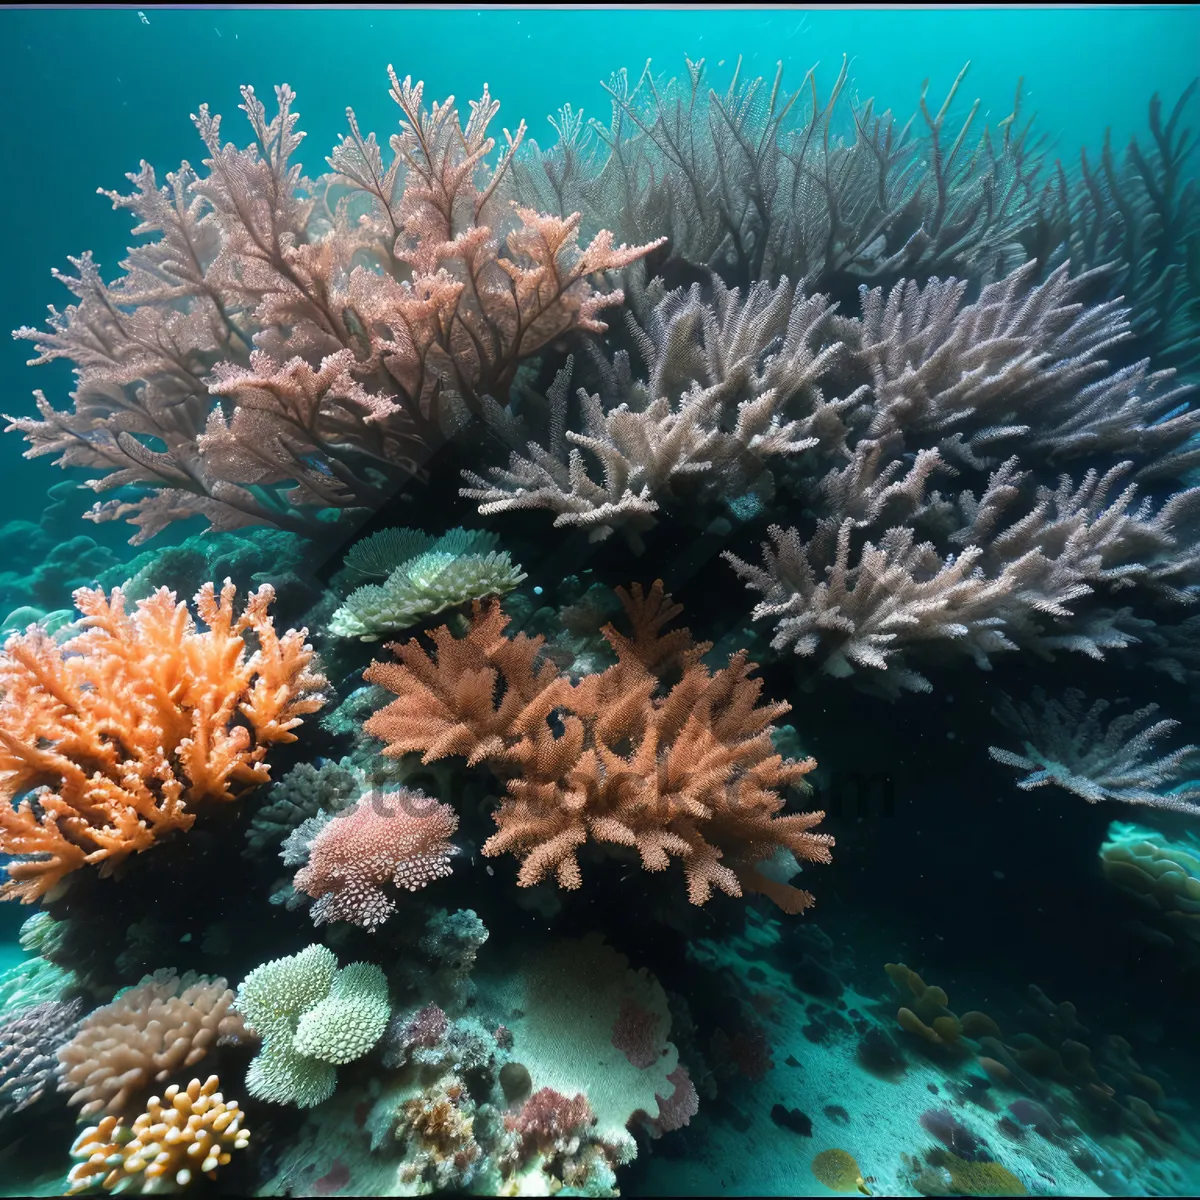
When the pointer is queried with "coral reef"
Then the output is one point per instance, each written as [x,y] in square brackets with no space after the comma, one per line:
[126,729]
[149,1033]
[700,780]
[947,384]
[189,1130]
[311,1017]
[424,576]
[1064,744]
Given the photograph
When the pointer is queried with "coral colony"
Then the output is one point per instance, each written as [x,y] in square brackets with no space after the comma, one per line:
[923,402]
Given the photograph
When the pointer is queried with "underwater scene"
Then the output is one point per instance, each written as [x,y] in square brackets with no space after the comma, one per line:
[600,602]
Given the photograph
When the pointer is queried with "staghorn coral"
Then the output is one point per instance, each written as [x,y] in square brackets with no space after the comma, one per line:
[891,571]
[400,837]
[189,1130]
[287,344]
[1065,743]
[150,1032]
[311,1016]
[1141,213]
[29,1041]
[426,575]
[724,379]
[690,772]
[752,182]
[118,736]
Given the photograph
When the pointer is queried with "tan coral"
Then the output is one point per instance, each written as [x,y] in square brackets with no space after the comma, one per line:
[688,772]
[147,1034]
[121,733]
[177,1136]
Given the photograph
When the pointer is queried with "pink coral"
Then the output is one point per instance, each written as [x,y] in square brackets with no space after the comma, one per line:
[548,1117]
[401,837]
[634,1034]
[272,351]
[676,1110]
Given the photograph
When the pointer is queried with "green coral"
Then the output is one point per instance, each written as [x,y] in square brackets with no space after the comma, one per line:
[423,576]
[310,1016]
[303,792]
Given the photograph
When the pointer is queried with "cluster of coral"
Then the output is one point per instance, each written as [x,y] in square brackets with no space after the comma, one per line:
[945,388]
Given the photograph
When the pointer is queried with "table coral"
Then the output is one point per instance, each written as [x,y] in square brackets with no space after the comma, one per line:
[690,773]
[184,1132]
[115,738]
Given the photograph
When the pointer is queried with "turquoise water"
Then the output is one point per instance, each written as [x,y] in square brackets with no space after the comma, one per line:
[556,900]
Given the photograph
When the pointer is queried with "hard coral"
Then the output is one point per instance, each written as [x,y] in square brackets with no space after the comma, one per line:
[127,728]
[311,1016]
[148,1033]
[617,757]
[186,1131]
[401,838]
[289,342]
[28,1041]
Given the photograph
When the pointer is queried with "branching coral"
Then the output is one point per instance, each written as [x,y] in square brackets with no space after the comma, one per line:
[311,1016]
[400,837]
[1140,212]
[116,737]
[753,182]
[689,773]
[891,571]
[424,576]
[189,1130]
[731,387]
[149,1033]
[283,343]
[1066,743]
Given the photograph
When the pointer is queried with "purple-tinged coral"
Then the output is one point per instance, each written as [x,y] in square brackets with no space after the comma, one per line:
[29,1044]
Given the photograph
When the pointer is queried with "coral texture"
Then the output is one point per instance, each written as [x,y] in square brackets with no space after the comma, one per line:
[29,1041]
[425,576]
[400,837]
[1067,744]
[127,728]
[299,795]
[189,1130]
[290,341]
[571,996]
[311,1016]
[150,1032]
[1161,875]
[690,773]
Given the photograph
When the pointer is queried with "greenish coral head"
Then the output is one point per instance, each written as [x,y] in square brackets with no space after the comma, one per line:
[274,996]
[458,568]
[279,1074]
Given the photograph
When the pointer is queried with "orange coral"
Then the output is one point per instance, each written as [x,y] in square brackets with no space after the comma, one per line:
[688,771]
[130,725]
